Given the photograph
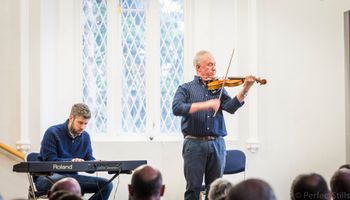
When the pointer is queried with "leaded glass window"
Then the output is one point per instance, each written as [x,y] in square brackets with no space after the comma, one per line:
[133,66]
[131,40]
[94,62]
[171,60]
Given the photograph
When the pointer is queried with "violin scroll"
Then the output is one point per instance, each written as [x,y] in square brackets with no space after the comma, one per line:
[261,81]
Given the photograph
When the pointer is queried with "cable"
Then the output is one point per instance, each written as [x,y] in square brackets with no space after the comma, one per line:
[98,186]
[116,188]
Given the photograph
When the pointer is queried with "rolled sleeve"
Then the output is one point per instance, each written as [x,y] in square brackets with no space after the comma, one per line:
[230,105]
[180,105]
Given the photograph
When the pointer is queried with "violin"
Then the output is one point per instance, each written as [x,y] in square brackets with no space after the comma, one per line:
[231,82]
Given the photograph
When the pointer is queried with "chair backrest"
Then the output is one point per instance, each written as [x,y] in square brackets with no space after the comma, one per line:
[235,162]
[33,193]
[33,156]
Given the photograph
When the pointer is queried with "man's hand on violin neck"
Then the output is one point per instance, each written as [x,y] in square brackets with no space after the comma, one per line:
[248,82]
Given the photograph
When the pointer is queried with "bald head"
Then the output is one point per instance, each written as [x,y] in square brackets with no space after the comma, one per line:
[66,184]
[146,183]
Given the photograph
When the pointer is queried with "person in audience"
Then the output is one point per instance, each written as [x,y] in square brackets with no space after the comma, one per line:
[310,187]
[203,125]
[57,194]
[345,166]
[64,195]
[340,184]
[70,142]
[251,189]
[146,184]
[219,189]
[66,184]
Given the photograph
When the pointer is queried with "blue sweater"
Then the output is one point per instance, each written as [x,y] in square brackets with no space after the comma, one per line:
[58,145]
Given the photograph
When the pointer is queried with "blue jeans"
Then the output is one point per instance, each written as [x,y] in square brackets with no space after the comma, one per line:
[88,184]
[202,158]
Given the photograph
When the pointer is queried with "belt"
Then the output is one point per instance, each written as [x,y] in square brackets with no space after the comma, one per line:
[204,138]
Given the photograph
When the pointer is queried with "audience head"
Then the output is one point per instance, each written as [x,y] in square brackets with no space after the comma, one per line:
[56,195]
[64,195]
[340,184]
[66,184]
[219,189]
[347,166]
[146,183]
[251,189]
[310,186]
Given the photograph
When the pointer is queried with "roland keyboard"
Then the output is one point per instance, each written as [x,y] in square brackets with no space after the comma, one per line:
[43,167]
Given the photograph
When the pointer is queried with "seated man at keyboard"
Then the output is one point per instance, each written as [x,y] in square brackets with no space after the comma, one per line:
[70,142]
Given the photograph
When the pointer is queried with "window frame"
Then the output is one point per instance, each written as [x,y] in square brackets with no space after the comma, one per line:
[152,45]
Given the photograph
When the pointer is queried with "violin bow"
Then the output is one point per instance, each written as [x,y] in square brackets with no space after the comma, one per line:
[225,77]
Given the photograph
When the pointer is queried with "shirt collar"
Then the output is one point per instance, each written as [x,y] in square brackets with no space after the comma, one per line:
[199,80]
[73,136]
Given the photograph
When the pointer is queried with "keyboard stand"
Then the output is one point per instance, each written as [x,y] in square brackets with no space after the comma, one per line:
[110,180]
[32,187]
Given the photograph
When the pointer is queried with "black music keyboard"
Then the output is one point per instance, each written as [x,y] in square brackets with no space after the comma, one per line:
[68,166]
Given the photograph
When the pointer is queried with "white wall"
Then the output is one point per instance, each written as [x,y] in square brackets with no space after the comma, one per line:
[9,71]
[298,117]
[347,84]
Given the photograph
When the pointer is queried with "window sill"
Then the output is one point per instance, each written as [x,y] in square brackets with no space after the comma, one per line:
[137,138]
[176,137]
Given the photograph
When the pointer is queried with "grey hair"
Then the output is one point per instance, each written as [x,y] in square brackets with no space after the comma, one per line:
[80,110]
[219,189]
[198,57]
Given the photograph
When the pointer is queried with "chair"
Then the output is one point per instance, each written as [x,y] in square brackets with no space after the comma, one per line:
[33,192]
[235,162]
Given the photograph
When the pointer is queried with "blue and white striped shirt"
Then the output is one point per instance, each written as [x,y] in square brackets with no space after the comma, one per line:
[202,123]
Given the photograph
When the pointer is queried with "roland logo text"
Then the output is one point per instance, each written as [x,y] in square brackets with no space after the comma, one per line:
[62,167]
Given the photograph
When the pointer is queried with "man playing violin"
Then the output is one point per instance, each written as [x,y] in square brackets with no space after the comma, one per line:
[204,148]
